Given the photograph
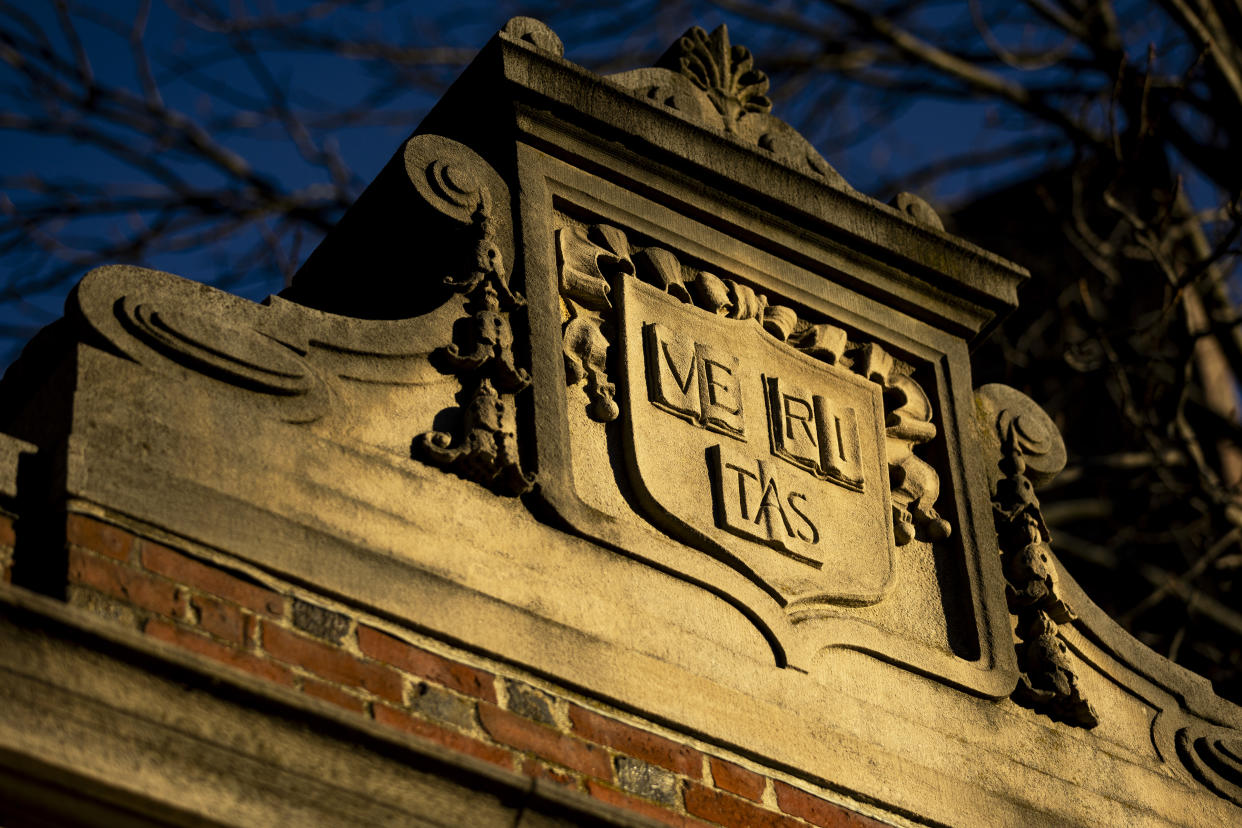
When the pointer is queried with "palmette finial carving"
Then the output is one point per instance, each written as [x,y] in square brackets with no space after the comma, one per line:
[725,72]
[712,82]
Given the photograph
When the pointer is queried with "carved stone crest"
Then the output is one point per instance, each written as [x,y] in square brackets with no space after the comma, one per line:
[767,458]
[593,259]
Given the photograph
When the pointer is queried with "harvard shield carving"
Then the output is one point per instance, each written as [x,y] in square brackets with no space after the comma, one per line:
[769,460]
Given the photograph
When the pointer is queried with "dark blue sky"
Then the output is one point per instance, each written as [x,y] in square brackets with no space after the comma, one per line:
[203,76]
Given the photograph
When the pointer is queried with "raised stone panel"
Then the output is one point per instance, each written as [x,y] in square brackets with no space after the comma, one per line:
[690,276]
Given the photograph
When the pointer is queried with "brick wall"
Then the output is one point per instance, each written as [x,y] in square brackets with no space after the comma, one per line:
[7,540]
[291,638]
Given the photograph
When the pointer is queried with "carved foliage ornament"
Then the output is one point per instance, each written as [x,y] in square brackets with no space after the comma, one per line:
[1031,446]
[457,182]
[712,82]
[591,258]
[725,72]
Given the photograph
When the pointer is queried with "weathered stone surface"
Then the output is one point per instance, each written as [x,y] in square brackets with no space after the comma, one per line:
[319,621]
[608,383]
[529,702]
[648,781]
[439,705]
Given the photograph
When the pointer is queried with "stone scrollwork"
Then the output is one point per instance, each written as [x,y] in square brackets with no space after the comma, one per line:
[229,352]
[591,257]
[1213,755]
[535,33]
[918,209]
[1031,450]
[460,184]
[169,324]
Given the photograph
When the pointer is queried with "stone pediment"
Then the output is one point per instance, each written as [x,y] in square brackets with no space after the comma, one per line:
[712,82]
[614,380]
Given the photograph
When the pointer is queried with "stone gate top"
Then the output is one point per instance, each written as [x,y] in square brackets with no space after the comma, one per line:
[615,385]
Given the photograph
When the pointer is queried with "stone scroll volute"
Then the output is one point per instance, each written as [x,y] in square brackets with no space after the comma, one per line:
[459,184]
[1027,449]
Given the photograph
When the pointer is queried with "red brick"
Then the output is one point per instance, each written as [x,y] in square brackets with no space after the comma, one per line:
[816,811]
[219,618]
[732,812]
[538,770]
[7,536]
[333,694]
[523,734]
[639,743]
[446,738]
[331,663]
[617,799]
[97,536]
[120,581]
[164,561]
[729,777]
[201,644]
[383,647]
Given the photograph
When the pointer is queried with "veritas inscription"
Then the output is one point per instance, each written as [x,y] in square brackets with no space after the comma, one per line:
[757,454]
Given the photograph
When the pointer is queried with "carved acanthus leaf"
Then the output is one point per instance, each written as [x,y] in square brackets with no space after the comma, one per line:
[822,341]
[780,321]
[660,267]
[712,293]
[586,356]
[725,72]
[747,304]
[916,486]
[589,259]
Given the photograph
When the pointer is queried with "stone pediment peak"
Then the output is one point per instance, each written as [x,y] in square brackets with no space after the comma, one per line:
[710,80]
